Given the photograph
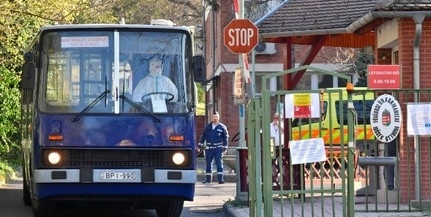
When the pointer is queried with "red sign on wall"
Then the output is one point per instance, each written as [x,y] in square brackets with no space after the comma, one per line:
[383,77]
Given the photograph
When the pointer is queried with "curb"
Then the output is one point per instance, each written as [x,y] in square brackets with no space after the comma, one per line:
[228,177]
[227,208]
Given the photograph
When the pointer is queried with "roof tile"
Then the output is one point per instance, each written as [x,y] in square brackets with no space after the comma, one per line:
[408,5]
[294,17]
[302,15]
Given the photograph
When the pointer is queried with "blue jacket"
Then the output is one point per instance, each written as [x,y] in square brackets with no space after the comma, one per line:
[218,135]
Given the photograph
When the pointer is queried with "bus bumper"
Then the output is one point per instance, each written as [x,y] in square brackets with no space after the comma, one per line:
[88,175]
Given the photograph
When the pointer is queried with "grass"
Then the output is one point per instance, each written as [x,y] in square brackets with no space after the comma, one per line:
[237,202]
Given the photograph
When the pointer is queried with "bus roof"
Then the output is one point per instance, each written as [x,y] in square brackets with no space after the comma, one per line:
[108,26]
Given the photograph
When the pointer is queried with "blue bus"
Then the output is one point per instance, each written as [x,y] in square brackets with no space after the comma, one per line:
[85,137]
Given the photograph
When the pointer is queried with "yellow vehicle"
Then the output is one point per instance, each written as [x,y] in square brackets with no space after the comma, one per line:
[333,106]
[332,126]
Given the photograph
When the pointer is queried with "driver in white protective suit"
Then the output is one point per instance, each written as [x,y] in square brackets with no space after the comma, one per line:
[155,82]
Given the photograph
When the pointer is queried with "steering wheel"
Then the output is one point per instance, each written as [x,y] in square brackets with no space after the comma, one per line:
[169,98]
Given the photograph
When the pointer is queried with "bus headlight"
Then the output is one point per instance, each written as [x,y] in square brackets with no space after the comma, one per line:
[178,158]
[53,157]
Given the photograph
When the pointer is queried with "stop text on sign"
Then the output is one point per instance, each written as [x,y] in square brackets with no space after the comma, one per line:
[240,36]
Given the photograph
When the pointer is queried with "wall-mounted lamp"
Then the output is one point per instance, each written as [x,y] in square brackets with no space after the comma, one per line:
[213,79]
[384,55]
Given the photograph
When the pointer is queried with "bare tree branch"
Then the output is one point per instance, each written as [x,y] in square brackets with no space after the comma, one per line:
[35,15]
[189,4]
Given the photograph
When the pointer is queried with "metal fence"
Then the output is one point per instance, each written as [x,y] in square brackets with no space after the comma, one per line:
[353,177]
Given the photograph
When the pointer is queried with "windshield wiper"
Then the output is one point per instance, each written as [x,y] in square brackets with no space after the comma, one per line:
[90,106]
[138,107]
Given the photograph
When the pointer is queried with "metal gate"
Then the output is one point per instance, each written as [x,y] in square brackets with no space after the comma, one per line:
[324,188]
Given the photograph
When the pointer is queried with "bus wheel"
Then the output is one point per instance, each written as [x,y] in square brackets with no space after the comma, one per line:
[25,190]
[41,208]
[172,208]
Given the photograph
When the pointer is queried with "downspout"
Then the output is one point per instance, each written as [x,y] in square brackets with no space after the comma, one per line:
[419,19]
[204,29]
[213,58]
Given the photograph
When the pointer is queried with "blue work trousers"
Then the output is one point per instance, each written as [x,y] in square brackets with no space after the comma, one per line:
[389,174]
[217,155]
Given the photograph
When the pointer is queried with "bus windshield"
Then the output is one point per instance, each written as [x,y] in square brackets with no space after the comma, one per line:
[120,71]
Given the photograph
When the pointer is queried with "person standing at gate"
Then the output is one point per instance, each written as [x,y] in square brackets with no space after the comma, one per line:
[277,130]
[277,134]
[216,136]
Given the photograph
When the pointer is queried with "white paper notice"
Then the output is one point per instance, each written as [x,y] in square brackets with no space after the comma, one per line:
[158,103]
[419,119]
[307,151]
[89,41]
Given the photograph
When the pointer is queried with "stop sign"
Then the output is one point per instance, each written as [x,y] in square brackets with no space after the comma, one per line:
[240,36]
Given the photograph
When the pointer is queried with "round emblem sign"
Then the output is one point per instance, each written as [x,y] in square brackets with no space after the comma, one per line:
[385,118]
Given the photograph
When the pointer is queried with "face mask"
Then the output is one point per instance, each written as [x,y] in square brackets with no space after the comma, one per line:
[156,69]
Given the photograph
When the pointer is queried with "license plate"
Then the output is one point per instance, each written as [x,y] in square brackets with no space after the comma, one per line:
[117,175]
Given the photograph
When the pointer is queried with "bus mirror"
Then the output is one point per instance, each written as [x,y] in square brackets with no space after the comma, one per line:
[27,76]
[28,72]
[199,69]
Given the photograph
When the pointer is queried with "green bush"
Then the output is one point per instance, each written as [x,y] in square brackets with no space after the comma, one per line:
[6,172]
[200,107]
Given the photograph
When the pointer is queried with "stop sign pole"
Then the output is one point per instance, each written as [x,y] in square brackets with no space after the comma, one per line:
[240,36]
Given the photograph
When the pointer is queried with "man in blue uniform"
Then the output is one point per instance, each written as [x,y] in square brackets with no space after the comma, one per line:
[216,136]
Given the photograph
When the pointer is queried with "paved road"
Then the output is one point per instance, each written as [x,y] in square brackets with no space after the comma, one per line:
[209,200]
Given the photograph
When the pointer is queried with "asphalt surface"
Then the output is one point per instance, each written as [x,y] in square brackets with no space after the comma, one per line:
[209,200]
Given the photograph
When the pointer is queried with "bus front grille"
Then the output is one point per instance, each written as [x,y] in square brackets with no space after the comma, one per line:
[114,158]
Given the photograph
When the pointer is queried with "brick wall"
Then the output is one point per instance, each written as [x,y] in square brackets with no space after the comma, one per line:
[200,124]
[407,166]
